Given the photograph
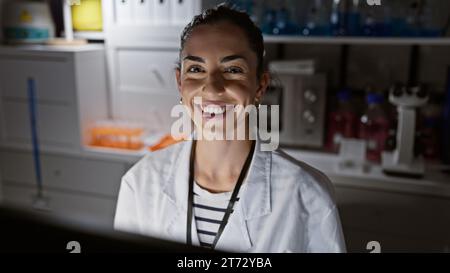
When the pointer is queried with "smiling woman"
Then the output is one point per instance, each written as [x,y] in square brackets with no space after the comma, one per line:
[227,194]
[226,73]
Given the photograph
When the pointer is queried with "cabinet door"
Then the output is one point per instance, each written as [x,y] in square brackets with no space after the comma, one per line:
[54,78]
[145,86]
[162,11]
[123,11]
[57,125]
[143,12]
[149,71]
[64,173]
[182,11]
[93,210]
[399,222]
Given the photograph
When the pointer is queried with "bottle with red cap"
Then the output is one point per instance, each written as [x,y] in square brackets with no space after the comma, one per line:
[342,121]
[374,127]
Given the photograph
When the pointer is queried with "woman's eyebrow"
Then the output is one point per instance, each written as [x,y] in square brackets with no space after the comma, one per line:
[223,60]
[194,58]
[232,58]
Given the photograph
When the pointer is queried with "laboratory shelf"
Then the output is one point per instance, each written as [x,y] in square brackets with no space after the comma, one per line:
[89,35]
[292,39]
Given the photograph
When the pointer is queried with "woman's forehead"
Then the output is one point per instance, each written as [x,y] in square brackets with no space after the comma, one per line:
[218,39]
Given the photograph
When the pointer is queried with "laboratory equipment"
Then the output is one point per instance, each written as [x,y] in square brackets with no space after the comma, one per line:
[341,122]
[27,22]
[402,160]
[374,126]
[302,104]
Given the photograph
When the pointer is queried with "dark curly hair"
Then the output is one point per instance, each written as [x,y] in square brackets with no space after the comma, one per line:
[225,13]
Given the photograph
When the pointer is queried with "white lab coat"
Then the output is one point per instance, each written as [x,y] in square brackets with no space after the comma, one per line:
[285,206]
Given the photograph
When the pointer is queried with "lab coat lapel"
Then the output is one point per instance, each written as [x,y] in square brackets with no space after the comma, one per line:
[254,203]
[235,236]
[176,188]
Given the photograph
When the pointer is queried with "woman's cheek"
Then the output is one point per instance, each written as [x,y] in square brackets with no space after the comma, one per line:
[242,92]
[190,86]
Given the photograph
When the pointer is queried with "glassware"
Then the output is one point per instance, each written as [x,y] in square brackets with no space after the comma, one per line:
[374,127]
[342,121]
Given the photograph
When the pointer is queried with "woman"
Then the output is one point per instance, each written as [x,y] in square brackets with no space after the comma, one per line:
[227,194]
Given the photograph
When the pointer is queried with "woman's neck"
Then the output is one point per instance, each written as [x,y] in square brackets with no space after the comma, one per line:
[218,163]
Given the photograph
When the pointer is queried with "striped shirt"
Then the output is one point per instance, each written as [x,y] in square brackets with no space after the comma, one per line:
[209,209]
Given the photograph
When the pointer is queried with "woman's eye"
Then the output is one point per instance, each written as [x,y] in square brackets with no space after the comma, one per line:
[234,70]
[194,69]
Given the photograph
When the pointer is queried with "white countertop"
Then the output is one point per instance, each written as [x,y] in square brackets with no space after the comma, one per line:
[435,182]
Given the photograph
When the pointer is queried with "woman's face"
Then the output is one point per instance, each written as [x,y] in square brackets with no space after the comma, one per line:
[218,66]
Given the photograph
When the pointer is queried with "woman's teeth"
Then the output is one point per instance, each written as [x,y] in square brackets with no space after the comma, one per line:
[213,109]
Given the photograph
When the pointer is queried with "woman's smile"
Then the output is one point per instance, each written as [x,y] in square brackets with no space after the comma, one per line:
[212,110]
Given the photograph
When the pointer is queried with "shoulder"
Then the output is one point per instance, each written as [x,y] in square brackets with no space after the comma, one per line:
[310,185]
[157,164]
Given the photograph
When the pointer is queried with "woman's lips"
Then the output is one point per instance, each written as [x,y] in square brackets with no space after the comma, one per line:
[212,109]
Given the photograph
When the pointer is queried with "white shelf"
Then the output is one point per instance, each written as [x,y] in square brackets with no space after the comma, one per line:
[434,182]
[89,35]
[292,39]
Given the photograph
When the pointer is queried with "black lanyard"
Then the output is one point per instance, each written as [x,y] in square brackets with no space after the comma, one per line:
[230,203]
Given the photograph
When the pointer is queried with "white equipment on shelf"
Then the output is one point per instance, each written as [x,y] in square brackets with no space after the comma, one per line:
[27,22]
[402,160]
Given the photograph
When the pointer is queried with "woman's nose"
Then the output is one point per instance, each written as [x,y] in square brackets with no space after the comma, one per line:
[214,83]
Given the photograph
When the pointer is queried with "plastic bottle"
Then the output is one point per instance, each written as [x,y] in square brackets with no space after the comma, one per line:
[385,23]
[354,19]
[412,20]
[316,20]
[368,28]
[268,20]
[429,25]
[342,121]
[283,23]
[430,138]
[374,127]
[337,18]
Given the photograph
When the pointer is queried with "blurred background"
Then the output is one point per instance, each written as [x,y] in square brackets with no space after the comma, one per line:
[86,89]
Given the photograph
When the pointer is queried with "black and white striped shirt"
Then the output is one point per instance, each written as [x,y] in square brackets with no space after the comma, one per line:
[209,209]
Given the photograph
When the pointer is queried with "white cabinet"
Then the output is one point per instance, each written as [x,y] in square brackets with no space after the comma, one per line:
[152,12]
[161,11]
[142,55]
[78,188]
[71,93]
[143,11]
[182,11]
[74,173]
[75,207]
[150,71]
[123,11]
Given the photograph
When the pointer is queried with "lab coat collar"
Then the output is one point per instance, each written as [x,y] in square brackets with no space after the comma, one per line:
[255,199]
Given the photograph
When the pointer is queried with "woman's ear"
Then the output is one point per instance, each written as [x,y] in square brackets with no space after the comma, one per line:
[178,77]
[263,84]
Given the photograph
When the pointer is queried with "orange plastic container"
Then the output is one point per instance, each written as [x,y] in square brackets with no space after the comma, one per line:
[120,135]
